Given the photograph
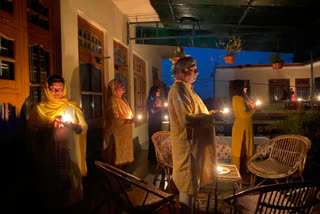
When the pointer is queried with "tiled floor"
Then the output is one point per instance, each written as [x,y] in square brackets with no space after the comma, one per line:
[145,170]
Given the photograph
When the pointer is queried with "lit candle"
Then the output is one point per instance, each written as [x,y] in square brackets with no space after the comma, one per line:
[299,99]
[219,168]
[225,110]
[258,103]
[165,104]
[139,116]
[318,97]
[66,118]
[166,117]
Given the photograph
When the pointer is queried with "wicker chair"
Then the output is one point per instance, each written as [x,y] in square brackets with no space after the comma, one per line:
[276,198]
[286,160]
[162,144]
[132,194]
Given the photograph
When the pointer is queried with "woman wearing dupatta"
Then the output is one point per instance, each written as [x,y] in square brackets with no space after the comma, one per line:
[118,144]
[242,130]
[57,132]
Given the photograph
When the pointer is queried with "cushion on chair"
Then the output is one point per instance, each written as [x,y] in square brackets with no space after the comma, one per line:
[270,167]
[137,196]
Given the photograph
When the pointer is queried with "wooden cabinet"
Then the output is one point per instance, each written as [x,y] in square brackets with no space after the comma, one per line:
[28,54]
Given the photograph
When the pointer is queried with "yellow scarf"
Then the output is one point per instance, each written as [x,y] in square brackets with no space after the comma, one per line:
[45,112]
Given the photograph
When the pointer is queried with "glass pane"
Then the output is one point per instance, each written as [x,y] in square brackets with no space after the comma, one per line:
[6,5]
[2,112]
[35,95]
[87,106]
[11,112]
[6,70]
[96,79]
[86,83]
[303,92]
[38,14]
[6,48]
[97,106]
[44,65]
[39,64]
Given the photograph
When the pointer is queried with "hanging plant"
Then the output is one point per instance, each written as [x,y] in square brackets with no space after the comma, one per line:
[233,46]
[276,60]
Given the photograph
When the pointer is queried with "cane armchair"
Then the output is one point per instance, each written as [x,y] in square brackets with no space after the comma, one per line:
[162,144]
[277,198]
[286,160]
[132,194]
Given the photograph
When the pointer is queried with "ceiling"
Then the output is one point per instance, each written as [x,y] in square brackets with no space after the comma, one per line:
[290,26]
[137,10]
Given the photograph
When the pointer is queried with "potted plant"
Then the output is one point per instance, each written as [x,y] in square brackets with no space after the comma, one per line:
[233,46]
[178,53]
[276,60]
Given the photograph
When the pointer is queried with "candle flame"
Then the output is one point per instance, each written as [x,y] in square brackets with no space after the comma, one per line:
[66,118]
[166,117]
[219,168]
[139,116]
[166,104]
[258,103]
[225,110]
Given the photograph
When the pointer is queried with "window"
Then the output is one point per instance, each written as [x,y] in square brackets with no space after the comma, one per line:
[38,14]
[39,70]
[139,69]
[121,65]
[303,88]
[6,58]
[90,41]
[279,89]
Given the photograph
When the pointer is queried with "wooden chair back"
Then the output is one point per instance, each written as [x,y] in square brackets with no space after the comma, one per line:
[120,183]
[277,198]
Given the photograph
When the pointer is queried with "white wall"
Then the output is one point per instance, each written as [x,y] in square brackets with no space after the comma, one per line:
[104,15]
[259,78]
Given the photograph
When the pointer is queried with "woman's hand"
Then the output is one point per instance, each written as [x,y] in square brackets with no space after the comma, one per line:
[77,128]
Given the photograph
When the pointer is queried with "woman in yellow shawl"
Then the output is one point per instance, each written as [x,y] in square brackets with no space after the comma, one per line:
[118,144]
[57,132]
[242,131]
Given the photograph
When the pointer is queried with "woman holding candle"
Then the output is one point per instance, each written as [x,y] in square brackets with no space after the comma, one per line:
[242,130]
[154,108]
[57,132]
[118,144]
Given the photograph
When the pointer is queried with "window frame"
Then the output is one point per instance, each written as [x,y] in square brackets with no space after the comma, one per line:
[140,97]
[88,56]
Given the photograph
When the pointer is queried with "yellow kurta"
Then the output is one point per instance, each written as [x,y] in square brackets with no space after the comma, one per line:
[117,133]
[192,134]
[59,155]
[242,124]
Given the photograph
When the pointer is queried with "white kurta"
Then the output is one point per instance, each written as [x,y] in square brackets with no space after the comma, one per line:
[192,134]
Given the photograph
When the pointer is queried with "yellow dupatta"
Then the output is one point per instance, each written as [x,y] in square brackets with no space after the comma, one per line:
[45,112]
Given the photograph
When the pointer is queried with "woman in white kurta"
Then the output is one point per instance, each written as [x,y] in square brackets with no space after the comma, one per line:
[192,134]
